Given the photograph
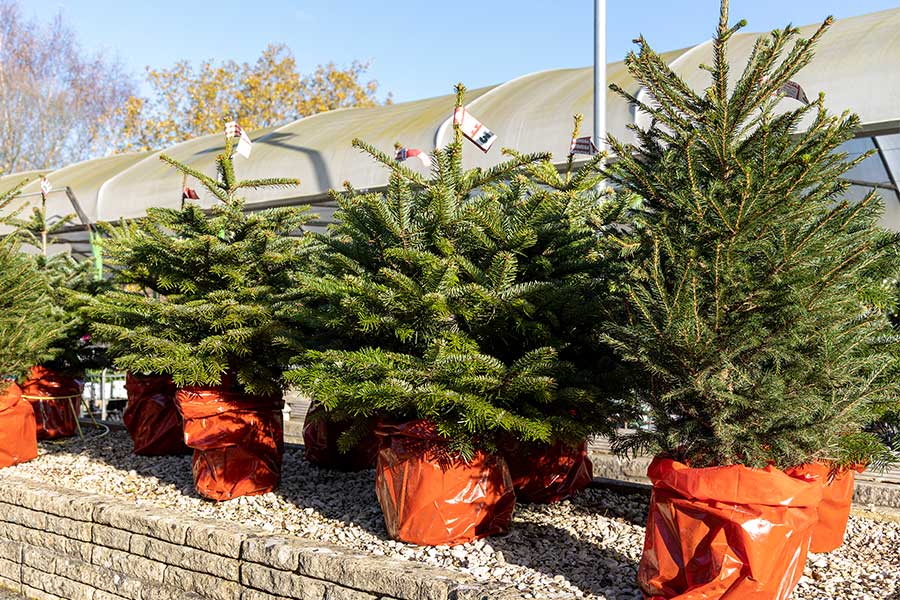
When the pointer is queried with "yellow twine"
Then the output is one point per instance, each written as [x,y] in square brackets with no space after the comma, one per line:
[45,398]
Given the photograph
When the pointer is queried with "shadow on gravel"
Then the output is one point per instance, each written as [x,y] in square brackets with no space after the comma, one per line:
[632,508]
[345,497]
[554,551]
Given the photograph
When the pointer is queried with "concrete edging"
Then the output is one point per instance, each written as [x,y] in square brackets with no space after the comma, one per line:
[57,544]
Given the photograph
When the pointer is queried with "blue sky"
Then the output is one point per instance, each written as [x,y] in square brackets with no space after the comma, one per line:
[417,48]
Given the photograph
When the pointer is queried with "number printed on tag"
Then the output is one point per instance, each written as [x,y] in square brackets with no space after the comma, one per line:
[473,129]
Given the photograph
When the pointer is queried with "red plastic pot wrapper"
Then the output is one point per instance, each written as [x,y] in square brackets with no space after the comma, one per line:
[238,440]
[834,511]
[320,438]
[18,429]
[726,532]
[55,398]
[431,499]
[151,417]
[544,473]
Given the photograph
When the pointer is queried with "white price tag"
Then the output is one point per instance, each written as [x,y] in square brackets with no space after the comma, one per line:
[473,129]
[232,130]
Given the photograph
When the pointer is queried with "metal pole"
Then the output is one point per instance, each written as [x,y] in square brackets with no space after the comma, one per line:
[600,74]
[103,399]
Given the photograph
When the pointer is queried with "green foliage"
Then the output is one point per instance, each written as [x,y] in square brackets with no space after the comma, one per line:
[758,315]
[196,291]
[69,280]
[28,325]
[462,298]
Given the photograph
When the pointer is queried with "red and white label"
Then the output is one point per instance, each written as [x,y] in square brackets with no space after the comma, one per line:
[232,130]
[583,145]
[405,153]
[474,129]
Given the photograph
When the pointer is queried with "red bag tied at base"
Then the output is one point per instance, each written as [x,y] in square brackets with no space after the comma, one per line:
[238,440]
[430,499]
[151,417]
[18,428]
[55,399]
[726,532]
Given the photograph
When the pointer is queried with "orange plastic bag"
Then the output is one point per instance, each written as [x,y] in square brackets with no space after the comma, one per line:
[55,399]
[544,473]
[238,440]
[151,417]
[18,429]
[726,532]
[834,511]
[320,444]
[431,499]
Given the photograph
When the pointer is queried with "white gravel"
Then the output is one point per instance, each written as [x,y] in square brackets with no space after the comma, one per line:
[587,547]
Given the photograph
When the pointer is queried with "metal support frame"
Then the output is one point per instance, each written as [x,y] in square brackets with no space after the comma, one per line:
[73,200]
[600,74]
[887,166]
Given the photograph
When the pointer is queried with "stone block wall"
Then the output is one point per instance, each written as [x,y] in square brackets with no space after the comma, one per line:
[58,544]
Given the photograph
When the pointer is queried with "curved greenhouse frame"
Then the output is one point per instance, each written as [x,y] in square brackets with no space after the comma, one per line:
[857,66]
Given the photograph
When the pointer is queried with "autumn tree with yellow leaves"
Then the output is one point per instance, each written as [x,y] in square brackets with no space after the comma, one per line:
[190,101]
[59,103]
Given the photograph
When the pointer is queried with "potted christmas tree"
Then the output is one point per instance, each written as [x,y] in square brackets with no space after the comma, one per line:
[754,316]
[320,442]
[209,321]
[28,326]
[446,301]
[151,416]
[584,220]
[54,387]
[857,451]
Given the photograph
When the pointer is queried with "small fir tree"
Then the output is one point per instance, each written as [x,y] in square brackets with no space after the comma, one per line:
[196,292]
[461,298]
[758,316]
[70,280]
[28,323]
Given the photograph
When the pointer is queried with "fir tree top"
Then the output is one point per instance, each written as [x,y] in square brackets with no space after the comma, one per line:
[28,325]
[758,315]
[197,292]
[69,279]
[461,298]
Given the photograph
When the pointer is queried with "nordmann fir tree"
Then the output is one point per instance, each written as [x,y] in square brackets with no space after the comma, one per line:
[28,325]
[583,231]
[758,317]
[198,290]
[455,298]
[70,281]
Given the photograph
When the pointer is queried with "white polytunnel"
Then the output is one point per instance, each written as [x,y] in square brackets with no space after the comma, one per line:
[857,66]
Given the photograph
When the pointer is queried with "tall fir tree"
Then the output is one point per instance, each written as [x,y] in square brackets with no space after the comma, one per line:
[28,322]
[196,292]
[758,315]
[462,298]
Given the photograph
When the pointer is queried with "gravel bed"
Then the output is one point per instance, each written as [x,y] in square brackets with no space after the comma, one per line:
[6,594]
[587,547]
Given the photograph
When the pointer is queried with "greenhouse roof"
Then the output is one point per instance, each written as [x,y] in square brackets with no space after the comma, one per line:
[857,66]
